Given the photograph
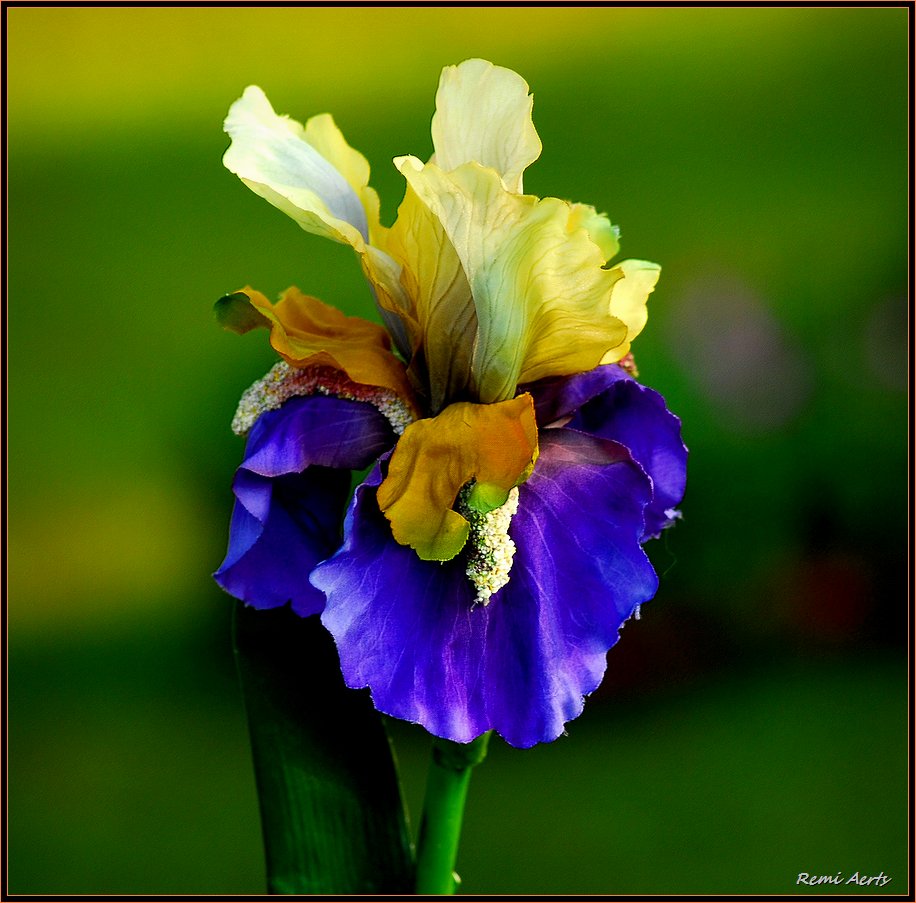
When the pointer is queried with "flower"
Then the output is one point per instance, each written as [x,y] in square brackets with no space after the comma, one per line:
[487,562]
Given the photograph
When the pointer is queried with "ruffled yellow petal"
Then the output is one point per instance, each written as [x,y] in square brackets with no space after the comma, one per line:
[541,295]
[442,306]
[483,114]
[628,300]
[495,445]
[306,332]
[598,226]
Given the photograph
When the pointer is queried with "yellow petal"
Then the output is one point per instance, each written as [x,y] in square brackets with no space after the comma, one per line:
[306,332]
[495,445]
[312,174]
[483,114]
[442,306]
[628,300]
[598,226]
[322,186]
[322,133]
[540,291]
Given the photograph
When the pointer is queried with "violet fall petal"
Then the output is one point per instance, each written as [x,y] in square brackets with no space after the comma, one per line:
[560,396]
[608,402]
[291,490]
[409,630]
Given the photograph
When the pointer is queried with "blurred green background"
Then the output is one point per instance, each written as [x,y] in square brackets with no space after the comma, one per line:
[753,725]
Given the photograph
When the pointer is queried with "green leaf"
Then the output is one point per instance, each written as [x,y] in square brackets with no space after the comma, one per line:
[331,809]
[236,312]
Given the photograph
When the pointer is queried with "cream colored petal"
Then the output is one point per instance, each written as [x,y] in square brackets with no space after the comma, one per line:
[541,296]
[441,298]
[273,156]
[628,300]
[312,174]
[598,226]
[322,133]
[483,114]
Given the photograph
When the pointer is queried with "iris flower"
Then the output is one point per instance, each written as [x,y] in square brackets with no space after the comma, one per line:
[481,571]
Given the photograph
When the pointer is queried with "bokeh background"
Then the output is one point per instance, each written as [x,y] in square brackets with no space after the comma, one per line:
[753,724]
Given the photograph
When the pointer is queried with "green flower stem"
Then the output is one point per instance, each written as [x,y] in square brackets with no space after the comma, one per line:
[443,810]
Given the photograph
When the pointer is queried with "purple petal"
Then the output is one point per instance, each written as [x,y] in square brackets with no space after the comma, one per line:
[608,402]
[560,396]
[636,417]
[270,556]
[319,429]
[291,490]
[409,630]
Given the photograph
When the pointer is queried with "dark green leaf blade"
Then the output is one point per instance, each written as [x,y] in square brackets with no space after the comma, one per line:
[331,809]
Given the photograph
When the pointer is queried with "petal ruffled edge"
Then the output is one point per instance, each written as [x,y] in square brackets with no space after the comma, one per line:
[637,280]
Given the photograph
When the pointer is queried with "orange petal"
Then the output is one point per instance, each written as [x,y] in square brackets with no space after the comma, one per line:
[306,332]
[494,444]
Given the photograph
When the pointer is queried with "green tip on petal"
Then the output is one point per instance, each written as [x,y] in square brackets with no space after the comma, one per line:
[237,313]
[486,497]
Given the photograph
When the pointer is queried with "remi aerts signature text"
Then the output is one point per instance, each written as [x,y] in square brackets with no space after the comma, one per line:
[859,878]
